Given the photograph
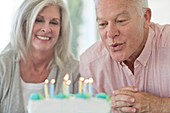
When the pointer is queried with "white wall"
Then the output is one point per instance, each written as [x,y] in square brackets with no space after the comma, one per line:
[7,10]
[160,11]
[88,33]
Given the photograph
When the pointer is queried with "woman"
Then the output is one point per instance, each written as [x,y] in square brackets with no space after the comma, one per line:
[39,50]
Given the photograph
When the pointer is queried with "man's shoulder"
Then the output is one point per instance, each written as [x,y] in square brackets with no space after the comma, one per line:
[160,28]
[95,52]
[161,34]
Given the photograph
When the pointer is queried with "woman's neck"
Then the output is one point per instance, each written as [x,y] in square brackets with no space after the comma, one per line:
[35,68]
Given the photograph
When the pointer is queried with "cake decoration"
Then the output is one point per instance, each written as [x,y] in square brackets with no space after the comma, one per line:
[36,96]
[103,96]
[61,96]
[82,96]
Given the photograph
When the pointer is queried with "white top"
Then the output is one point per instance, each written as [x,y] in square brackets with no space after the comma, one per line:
[29,88]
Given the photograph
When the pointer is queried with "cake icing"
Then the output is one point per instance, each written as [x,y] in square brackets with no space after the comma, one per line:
[73,103]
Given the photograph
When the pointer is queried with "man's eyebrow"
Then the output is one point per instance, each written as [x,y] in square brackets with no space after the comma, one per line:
[99,19]
[119,14]
[123,13]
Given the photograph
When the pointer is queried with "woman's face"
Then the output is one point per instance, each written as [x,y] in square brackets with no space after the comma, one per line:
[46,29]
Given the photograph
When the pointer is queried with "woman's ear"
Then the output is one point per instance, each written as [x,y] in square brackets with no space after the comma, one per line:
[147,17]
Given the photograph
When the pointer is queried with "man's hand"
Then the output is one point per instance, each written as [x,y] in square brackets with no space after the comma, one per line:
[129,100]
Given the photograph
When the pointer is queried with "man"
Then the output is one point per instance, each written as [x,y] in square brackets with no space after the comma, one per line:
[131,62]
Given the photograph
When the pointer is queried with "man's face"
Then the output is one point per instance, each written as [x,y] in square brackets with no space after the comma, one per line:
[121,28]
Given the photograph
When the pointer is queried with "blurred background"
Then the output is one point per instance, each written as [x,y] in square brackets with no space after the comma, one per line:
[82,14]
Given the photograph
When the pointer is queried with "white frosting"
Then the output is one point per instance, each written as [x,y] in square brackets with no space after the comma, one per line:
[71,105]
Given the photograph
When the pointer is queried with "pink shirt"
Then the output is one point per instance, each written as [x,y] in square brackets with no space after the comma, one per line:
[151,68]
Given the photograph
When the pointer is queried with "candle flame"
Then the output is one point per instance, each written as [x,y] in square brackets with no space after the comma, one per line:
[66,77]
[52,81]
[46,81]
[90,80]
[86,81]
[81,79]
[68,82]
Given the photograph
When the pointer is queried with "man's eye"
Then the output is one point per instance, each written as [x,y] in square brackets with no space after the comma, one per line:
[120,21]
[101,25]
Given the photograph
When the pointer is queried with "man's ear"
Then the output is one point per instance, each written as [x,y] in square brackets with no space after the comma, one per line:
[147,17]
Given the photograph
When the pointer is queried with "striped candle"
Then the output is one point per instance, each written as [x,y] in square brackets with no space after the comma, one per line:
[81,79]
[46,88]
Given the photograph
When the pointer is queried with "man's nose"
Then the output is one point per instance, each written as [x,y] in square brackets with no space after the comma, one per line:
[112,30]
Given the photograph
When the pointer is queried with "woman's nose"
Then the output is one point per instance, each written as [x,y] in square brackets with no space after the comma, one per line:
[112,31]
[46,29]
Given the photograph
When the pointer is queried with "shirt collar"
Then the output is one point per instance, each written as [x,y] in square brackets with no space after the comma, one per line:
[145,54]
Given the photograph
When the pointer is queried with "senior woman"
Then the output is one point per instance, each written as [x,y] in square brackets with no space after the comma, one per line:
[38,50]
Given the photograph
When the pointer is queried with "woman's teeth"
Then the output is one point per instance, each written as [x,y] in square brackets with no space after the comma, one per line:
[43,38]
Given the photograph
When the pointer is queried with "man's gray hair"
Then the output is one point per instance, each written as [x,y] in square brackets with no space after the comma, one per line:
[143,3]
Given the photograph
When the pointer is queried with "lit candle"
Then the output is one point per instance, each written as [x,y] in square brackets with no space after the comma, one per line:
[85,86]
[68,87]
[91,90]
[81,79]
[46,88]
[66,77]
[52,88]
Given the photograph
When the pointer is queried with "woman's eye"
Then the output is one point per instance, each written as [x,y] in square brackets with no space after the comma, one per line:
[55,23]
[39,20]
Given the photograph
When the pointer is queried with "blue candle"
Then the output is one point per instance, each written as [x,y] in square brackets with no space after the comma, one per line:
[52,88]
[91,90]
[85,86]
[68,87]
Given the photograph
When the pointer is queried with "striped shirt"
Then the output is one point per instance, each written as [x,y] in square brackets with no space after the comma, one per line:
[151,68]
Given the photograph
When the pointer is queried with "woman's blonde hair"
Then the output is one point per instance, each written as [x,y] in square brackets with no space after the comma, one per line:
[23,25]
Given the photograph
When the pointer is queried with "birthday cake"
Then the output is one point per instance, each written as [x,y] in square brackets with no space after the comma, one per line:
[77,103]
[83,102]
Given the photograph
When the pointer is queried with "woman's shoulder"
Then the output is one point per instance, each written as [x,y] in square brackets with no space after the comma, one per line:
[7,56]
[7,59]
[6,64]
[72,63]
